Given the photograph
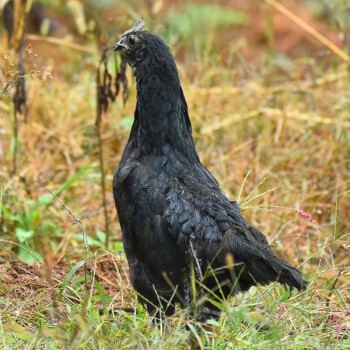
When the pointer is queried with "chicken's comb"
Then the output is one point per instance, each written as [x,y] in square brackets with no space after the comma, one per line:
[137,27]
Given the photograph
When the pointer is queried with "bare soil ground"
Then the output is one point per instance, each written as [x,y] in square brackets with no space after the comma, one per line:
[25,287]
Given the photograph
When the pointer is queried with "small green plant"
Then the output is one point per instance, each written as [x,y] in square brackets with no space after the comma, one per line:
[24,222]
[27,224]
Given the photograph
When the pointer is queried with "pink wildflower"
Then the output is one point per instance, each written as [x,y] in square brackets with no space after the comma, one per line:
[304,214]
[331,318]
[282,310]
[307,216]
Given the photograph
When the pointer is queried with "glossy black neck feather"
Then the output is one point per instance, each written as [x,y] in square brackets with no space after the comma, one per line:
[161,114]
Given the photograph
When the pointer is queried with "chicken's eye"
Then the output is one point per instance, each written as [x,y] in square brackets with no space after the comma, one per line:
[131,40]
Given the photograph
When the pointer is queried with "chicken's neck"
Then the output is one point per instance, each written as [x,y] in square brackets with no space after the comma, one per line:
[161,113]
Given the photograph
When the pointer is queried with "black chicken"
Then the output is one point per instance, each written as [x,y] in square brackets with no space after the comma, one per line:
[178,227]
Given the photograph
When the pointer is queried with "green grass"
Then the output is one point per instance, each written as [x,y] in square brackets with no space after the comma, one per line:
[259,319]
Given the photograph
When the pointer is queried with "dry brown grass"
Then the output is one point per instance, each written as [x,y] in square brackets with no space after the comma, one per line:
[291,128]
[286,125]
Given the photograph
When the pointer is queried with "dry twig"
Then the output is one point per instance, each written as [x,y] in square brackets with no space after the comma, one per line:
[75,218]
[309,29]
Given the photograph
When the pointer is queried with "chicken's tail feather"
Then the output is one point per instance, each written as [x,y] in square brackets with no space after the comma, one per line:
[266,271]
[291,276]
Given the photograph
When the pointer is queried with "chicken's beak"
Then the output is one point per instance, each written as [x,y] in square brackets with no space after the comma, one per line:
[119,46]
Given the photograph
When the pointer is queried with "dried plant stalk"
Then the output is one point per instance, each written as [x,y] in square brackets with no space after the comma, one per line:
[16,15]
[107,93]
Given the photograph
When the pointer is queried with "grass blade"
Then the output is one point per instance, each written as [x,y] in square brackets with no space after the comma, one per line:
[47,199]
[69,276]
[102,296]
